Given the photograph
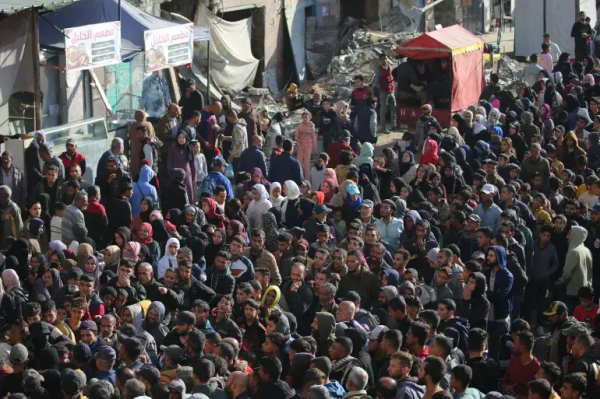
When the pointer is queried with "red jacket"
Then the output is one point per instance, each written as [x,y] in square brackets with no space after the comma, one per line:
[335,149]
[78,159]
[386,79]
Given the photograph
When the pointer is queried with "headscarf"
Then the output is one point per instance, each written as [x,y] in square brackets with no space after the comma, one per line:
[269,223]
[34,226]
[132,253]
[328,196]
[57,245]
[96,273]
[238,228]
[145,216]
[20,250]
[264,198]
[125,234]
[160,232]
[340,106]
[320,196]
[11,279]
[277,297]
[212,249]
[404,167]
[148,240]
[250,183]
[589,78]
[188,151]
[479,124]
[83,251]
[391,162]
[279,200]
[307,207]
[39,286]
[430,156]
[115,256]
[44,200]
[354,204]
[545,112]
[167,260]
[330,174]
[197,247]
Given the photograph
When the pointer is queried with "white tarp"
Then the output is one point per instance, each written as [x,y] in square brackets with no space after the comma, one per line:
[16,55]
[232,64]
[295,17]
[560,17]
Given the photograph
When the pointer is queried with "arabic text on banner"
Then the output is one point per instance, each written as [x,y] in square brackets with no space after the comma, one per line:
[92,46]
[169,47]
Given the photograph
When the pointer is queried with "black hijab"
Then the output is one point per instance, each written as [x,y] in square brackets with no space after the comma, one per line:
[145,216]
[160,233]
[213,249]
[404,167]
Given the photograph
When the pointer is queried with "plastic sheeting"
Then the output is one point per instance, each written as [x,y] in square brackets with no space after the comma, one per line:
[560,17]
[467,82]
[232,64]
[295,17]
[16,55]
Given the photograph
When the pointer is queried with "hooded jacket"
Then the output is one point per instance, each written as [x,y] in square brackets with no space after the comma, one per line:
[499,292]
[326,332]
[137,316]
[476,309]
[142,188]
[365,283]
[408,389]
[222,282]
[359,341]
[299,302]
[578,270]
[158,330]
[366,155]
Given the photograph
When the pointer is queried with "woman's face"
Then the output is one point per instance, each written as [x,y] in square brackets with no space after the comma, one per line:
[189,216]
[303,189]
[229,231]
[435,180]
[173,247]
[181,139]
[34,263]
[512,130]
[406,157]
[90,266]
[285,190]
[421,172]
[504,146]
[393,188]
[217,237]
[427,147]
[246,200]
[197,148]
[144,206]
[453,123]
[143,233]
[271,296]
[47,277]
[328,174]
[559,224]
[448,172]
[36,210]
[276,192]
[404,192]
[119,240]
[108,256]
[325,188]
[205,207]
[255,195]
[255,178]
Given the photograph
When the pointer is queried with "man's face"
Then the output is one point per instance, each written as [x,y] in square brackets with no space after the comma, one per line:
[250,313]
[582,16]
[376,254]
[236,248]
[6,161]
[297,274]
[145,274]
[184,272]
[370,237]
[71,148]
[224,306]
[567,392]
[257,243]
[320,278]
[395,369]
[221,263]
[482,240]
[442,279]
[352,262]
[75,172]
[152,317]
[283,246]
[106,327]
[571,210]
[170,279]
[241,296]
[398,261]
[86,288]
[354,245]
[491,258]
[320,260]
[88,337]
[545,237]
[325,296]
[112,167]
[421,232]
[51,176]
[385,210]
[359,83]
[472,225]
[337,259]
[200,314]
[77,313]
[336,351]
[49,317]
[366,212]
[269,347]
[443,259]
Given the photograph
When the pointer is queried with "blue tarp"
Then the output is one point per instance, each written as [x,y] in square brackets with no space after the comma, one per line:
[88,12]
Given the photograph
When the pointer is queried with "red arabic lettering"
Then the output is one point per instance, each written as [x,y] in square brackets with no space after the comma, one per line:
[81,36]
[180,35]
[104,33]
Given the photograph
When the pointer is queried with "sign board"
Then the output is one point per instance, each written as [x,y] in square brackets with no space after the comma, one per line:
[92,46]
[169,47]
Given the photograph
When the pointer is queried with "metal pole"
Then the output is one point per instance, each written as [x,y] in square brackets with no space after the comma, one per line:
[208,73]
[119,9]
[35,45]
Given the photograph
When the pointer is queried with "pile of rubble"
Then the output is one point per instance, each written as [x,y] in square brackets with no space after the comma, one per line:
[509,70]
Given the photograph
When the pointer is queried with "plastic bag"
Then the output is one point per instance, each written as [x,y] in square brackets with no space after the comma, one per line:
[229,172]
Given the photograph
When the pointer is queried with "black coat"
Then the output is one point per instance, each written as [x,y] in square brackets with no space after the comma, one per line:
[197,290]
[118,211]
[174,196]
[136,291]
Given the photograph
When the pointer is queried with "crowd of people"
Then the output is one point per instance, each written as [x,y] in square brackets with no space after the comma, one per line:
[461,263]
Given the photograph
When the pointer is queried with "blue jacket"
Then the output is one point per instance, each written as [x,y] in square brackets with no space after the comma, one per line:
[408,389]
[221,180]
[499,297]
[252,157]
[142,188]
[285,167]
[336,390]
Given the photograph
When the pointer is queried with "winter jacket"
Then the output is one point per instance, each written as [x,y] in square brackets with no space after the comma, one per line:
[326,332]
[470,393]
[118,211]
[365,283]
[529,167]
[267,260]
[578,270]
[18,186]
[252,157]
[158,330]
[226,328]
[408,389]
[11,304]
[336,390]
[285,167]
[462,326]
[499,295]
[273,390]
[476,309]
[329,124]
[545,261]
[142,188]
[196,290]
[222,282]
[73,225]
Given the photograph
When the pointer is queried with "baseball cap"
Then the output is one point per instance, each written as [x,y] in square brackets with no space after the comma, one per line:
[575,330]
[106,353]
[177,385]
[186,317]
[556,307]
[479,175]
[478,255]
[367,203]
[89,325]
[352,189]
[128,330]
[173,351]
[39,328]
[130,344]
[303,242]
[18,354]
[474,217]
[352,296]
[82,352]
[377,331]
[488,189]
[559,128]
[320,208]
[149,373]
[31,376]
[72,382]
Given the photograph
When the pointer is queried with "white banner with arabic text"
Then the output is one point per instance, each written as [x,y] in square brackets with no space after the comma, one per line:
[169,47]
[92,46]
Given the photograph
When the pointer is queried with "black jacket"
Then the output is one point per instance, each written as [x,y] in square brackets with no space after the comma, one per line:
[174,196]
[299,303]
[197,290]
[172,300]
[136,291]
[11,304]
[118,211]
[486,373]
[274,390]
[97,227]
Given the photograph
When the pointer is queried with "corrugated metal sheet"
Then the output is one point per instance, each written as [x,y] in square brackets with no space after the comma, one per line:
[10,6]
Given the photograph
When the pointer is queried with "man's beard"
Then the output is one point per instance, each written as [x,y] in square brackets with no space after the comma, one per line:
[490,264]
[318,166]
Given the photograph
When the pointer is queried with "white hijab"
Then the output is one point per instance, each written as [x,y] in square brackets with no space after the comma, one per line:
[293,192]
[264,198]
[276,201]
[167,260]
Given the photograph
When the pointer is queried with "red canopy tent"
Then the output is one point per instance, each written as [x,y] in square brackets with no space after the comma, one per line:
[465,51]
